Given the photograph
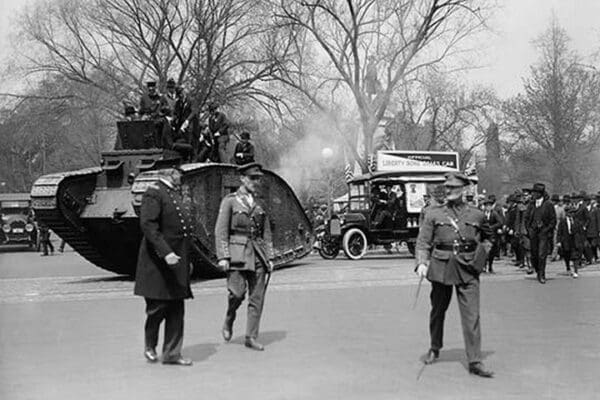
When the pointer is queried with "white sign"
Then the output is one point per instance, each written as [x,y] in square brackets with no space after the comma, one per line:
[434,161]
[414,196]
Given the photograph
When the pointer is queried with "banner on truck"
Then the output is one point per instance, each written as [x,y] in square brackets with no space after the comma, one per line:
[434,161]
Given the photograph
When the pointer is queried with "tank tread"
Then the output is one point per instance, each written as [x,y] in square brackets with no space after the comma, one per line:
[45,202]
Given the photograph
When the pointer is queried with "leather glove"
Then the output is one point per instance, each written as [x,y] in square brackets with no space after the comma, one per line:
[422,270]
[172,259]
[224,265]
[270,266]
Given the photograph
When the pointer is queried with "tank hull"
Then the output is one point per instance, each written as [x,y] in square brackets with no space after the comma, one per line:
[102,223]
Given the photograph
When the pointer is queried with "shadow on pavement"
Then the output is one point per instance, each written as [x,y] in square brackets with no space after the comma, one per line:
[200,352]
[456,355]
[265,338]
[119,278]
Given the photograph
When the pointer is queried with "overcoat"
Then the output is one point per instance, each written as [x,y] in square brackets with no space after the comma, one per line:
[578,236]
[165,220]
[243,232]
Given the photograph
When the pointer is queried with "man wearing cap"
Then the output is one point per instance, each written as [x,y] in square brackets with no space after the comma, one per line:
[244,150]
[448,254]
[163,269]
[245,252]
[540,222]
[167,100]
[150,101]
[218,127]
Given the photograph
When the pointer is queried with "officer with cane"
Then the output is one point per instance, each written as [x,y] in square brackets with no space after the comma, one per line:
[450,253]
[245,252]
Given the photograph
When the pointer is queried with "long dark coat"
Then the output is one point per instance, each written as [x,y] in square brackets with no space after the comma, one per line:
[165,219]
[578,236]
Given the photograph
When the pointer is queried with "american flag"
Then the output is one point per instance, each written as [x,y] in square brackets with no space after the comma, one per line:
[348,174]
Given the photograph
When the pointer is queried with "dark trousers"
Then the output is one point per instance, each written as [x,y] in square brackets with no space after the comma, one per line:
[46,243]
[494,251]
[468,303]
[591,251]
[237,283]
[540,248]
[171,311]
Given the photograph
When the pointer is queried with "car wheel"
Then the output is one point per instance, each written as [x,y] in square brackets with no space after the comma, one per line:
[354,244]
[329,251]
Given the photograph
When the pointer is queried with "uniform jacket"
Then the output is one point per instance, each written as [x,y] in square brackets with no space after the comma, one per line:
[444,265]
[576,239]
[545,215]
[243,232]
[165,220]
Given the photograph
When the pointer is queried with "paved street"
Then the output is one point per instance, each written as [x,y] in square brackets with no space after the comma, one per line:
[333,330]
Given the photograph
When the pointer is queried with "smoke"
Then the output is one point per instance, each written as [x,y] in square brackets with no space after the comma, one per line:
[307,166]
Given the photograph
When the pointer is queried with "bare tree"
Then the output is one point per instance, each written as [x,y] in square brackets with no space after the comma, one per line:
[560,109]
[436,113]
[365,49]
[224,49]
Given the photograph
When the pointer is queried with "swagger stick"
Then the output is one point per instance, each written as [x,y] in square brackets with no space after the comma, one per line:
[417,294]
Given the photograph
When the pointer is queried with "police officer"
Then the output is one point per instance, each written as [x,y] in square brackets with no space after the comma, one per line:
[163,269]
[245,252]
[448,254]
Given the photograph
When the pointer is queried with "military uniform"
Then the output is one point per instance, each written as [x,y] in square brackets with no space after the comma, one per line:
[448,243]
[243,237]
[165,220]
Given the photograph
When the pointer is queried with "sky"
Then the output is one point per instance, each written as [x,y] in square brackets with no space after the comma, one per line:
[505,55]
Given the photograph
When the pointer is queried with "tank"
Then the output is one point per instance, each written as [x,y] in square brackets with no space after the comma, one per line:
[96,210]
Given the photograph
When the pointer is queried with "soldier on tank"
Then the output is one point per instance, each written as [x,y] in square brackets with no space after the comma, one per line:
[245,252]
[450,253]
[150,101]
[244,150]
[218,127]
[163,269]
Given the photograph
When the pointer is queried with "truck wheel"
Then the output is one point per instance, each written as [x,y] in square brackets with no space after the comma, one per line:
[354,244]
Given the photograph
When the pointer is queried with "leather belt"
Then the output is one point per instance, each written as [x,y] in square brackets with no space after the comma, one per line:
[457,248]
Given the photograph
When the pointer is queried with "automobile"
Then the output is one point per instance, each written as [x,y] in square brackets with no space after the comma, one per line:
[384,207]
[18,222]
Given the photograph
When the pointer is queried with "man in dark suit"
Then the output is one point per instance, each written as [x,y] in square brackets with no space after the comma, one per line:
[540,223]
[245,252]
[163,269]
[448,255]
[495,221]
[592,230]
[244,150]
[571,240]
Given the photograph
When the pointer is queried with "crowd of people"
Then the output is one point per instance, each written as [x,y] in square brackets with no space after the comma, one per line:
[567,227]
[180,127]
